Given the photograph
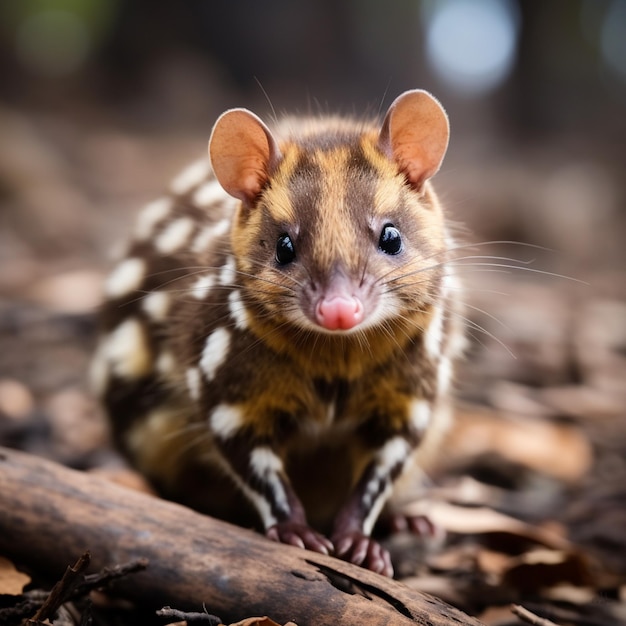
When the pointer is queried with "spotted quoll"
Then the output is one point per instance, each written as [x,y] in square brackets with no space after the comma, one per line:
[279,338]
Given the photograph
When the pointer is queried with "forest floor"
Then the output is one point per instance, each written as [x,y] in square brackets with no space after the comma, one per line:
[531,484]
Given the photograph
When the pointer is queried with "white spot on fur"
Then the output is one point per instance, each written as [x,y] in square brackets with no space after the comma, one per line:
[238,310]
[262,506]
[125,278]
[166,363]
[156,305]
[201,288]
[194,383]
[449,281]
[150,216]
[226,420]
[214,352]
[208,193]
[209,234]
[396,451]
[264,461]
[267,466]
[126,350]
[420,414]
[191,177]
[174,236]
[456,342]
[444,376]
[375,508]
[434,334]
[227,275]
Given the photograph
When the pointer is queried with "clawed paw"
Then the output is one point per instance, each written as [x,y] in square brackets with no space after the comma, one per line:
[299,535]
[360,549]
[419,525]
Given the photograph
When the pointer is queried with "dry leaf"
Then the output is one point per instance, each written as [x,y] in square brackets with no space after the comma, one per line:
[571,595]
[12,582]
[482,520]
[256,621]
[558,450]
[492,563]
[454,559]
[496,615]
[541,569]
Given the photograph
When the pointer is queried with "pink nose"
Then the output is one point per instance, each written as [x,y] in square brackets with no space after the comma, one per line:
[339,312]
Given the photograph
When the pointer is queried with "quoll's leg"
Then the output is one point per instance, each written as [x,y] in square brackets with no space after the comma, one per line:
[259,472]
[354,523]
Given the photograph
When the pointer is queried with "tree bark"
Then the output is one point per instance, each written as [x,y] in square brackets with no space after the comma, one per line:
[49,515]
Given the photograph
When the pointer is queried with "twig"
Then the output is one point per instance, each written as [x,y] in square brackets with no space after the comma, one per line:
[106,575]
[61,591]
[190,618]
[526,616]
[71,587]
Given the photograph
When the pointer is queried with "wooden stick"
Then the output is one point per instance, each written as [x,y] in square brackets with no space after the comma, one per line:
[526,616]
[50,514]
[61,591]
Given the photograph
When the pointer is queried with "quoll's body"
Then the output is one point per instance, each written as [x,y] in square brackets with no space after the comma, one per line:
[279,338]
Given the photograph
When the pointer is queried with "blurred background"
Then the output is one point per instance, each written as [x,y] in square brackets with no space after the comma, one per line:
[103,101]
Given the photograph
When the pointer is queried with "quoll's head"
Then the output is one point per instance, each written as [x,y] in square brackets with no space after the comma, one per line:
[338,229]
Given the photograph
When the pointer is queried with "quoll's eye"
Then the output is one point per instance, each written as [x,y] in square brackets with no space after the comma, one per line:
[285,251]
[390,241]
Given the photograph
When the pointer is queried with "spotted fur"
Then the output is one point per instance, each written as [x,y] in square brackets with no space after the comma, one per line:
[221,386]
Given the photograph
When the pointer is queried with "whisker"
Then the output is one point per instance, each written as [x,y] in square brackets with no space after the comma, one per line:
[476,326]
[526,269]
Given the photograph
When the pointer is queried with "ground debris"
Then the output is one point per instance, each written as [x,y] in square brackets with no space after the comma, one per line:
[37,607]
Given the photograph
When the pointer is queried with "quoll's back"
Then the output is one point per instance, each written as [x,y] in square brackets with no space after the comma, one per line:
[279,338]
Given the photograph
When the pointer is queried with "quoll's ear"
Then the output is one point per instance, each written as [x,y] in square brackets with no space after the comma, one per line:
[243,153]
[415,135]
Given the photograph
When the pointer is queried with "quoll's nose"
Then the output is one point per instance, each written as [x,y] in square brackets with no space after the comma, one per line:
[339,312]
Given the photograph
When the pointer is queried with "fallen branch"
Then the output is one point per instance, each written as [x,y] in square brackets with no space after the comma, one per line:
[526,616]
[48,513]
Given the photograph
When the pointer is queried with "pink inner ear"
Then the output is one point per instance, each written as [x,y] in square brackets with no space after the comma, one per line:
[415,135]
[242,152]
[416,173]
[250,184]
[412,160]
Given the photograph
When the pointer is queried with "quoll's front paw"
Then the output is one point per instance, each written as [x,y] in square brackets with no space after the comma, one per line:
[360,549]
[299,535]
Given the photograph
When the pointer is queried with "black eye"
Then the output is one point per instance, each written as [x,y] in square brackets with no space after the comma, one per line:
[285,252]
[390,241]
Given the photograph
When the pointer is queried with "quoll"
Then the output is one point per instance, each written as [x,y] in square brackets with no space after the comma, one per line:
[278,343]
